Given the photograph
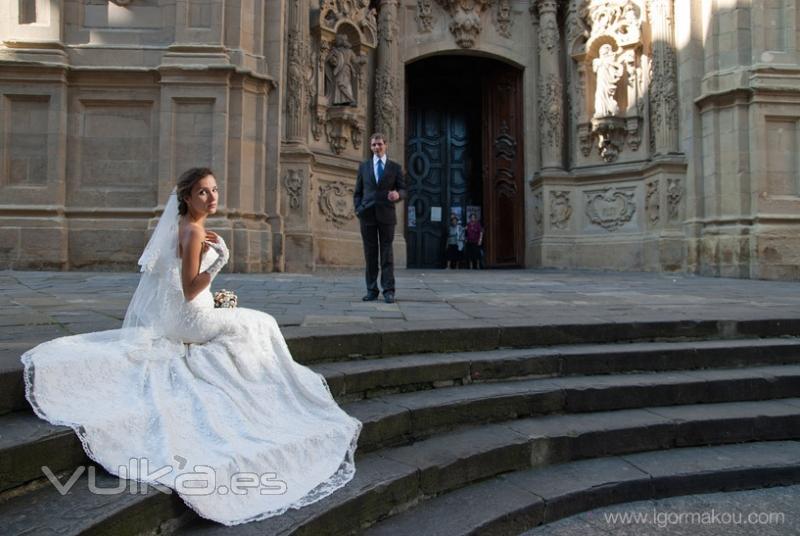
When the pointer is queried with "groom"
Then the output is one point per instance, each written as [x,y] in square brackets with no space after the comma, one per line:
[379,186]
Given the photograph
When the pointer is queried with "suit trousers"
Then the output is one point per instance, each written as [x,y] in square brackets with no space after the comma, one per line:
[377,238]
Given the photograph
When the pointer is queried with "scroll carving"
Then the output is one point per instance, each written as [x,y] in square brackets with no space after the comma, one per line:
[336,203]
[611,208]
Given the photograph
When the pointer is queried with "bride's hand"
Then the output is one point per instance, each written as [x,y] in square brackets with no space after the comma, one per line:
[215,242]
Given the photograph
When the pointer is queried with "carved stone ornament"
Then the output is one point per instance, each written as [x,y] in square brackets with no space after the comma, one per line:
[611,208]
[577,27]
[548,34]
[293,182]
[674,196]
[355,12]
[345,32]
[605,40]
[652,204]
[621,19]
[343,126]
[610,132]
[466,22]
[425,15]
[663,91]
[466,18]
[336,203]
[503,19]
[385,101]
[560,209]
[298,77]
[538,209]
[550,110]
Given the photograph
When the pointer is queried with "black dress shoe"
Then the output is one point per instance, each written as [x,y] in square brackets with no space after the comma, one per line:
[388,297]
[370,296]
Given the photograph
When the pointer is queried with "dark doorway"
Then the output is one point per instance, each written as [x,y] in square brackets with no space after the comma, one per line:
[464,154]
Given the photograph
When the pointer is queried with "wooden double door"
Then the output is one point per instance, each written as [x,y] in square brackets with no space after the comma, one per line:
[464,149]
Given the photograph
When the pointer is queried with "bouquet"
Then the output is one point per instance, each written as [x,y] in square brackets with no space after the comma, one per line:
[225,299]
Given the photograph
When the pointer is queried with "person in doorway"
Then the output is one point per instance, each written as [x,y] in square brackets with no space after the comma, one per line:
[474,241]
[455,242]
[379,185]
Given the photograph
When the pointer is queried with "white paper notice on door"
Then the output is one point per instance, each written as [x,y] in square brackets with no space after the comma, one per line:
[436,213]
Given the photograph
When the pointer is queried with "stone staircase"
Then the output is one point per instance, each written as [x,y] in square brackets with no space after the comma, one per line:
[491,431]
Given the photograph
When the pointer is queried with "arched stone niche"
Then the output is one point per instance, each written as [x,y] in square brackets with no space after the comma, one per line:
[609,73]
[345,32]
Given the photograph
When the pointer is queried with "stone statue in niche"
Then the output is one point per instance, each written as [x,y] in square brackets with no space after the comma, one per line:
[608,71]
[341,73]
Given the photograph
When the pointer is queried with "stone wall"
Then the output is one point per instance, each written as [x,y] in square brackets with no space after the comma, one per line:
[105,103]
[660,135]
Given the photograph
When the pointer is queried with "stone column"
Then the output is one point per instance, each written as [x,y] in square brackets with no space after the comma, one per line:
[551,102]
[297,72]
[663,86]
[386,90]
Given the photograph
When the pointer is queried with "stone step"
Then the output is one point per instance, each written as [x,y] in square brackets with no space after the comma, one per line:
[397,419]
[394,479]
[27,443]
[515,502]
[83,510]
[356,379]
[359,378]
[321,344]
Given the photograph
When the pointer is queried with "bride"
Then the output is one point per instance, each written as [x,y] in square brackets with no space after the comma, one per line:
[207,402]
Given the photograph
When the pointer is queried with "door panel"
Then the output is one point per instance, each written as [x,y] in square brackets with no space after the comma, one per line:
[503,167]
[437,168]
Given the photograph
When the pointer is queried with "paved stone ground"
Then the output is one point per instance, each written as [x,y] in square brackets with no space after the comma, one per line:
[725,514]
[38,306]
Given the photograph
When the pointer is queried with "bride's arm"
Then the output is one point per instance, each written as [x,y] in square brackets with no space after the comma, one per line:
[193,281]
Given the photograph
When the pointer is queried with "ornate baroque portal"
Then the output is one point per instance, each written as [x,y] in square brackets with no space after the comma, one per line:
[659,134]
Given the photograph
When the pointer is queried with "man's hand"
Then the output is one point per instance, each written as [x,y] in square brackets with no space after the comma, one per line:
[393,196]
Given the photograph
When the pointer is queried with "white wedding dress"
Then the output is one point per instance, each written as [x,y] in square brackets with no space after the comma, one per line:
[205,401]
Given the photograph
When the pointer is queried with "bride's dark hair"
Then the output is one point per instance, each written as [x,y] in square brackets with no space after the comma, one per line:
[185,184]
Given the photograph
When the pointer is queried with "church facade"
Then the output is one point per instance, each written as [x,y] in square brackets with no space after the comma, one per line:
[652,135]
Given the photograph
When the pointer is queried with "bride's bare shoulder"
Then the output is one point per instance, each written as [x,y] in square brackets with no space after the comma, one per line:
[191,234]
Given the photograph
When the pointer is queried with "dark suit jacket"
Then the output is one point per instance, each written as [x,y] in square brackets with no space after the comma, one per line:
[368,194]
